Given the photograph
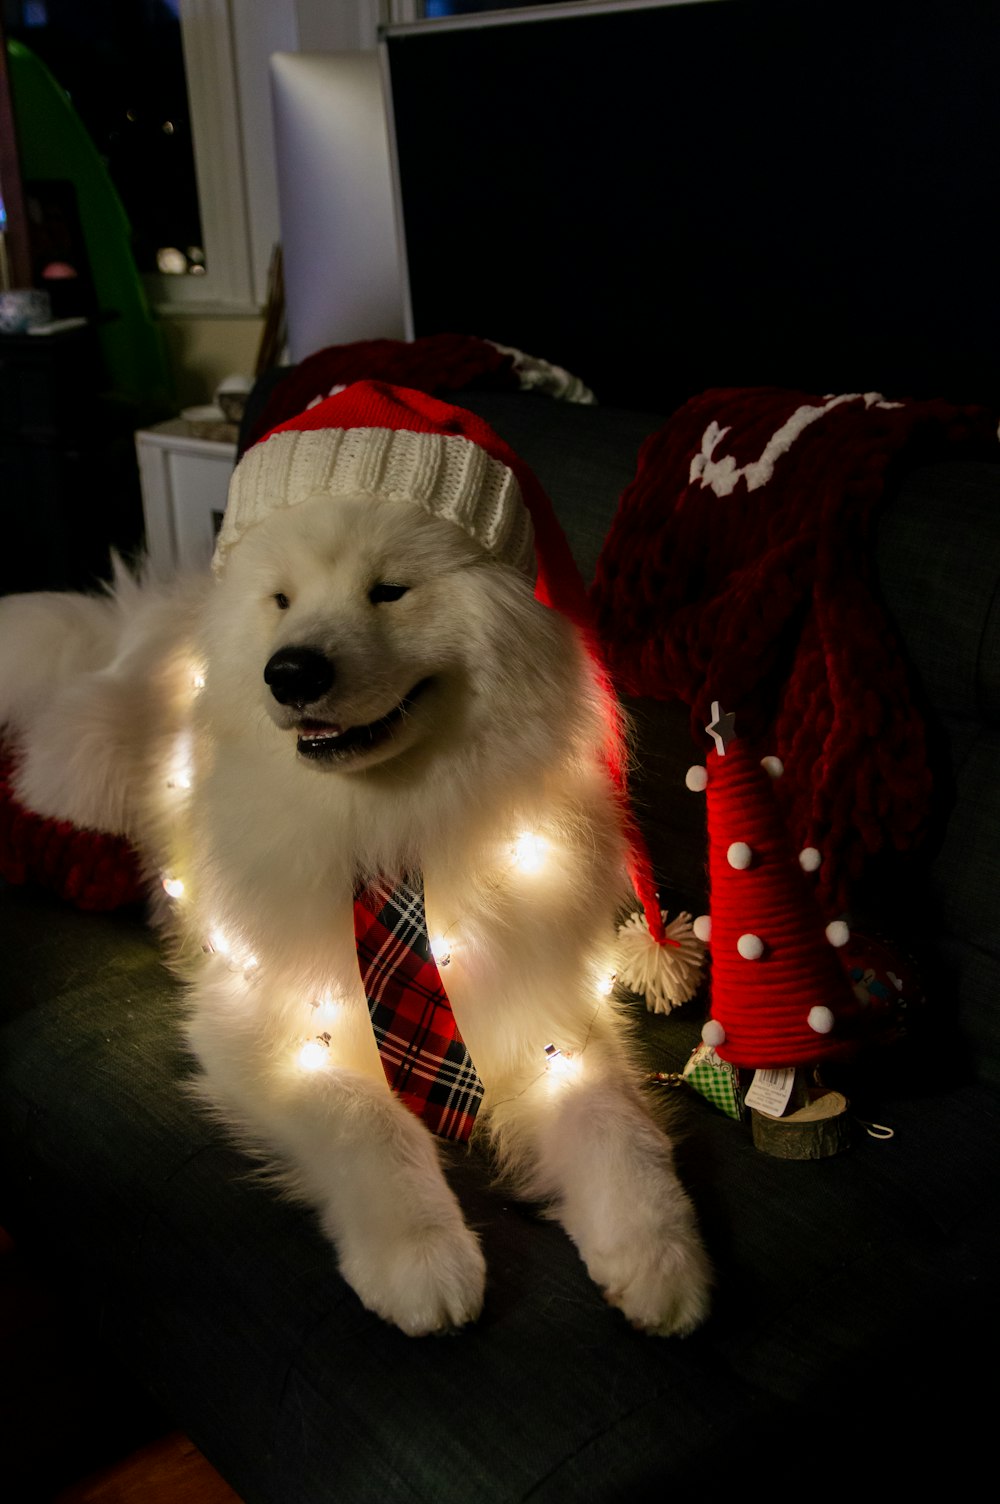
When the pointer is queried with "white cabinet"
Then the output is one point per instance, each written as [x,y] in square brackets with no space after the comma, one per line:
[185,480]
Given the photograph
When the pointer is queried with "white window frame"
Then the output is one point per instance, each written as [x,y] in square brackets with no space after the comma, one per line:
[227,287]
[226,47]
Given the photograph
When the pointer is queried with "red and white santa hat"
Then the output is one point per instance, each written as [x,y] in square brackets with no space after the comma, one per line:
[402,445]
[395,443]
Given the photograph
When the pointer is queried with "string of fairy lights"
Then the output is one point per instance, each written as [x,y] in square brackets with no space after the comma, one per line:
[312,1051]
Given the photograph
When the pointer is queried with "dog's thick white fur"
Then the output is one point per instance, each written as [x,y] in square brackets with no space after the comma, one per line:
[496,726]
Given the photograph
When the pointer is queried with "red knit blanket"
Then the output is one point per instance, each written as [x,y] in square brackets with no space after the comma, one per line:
[739,569]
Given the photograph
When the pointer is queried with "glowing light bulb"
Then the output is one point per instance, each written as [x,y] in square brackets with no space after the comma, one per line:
[440,949]
[219,942]
[197,678]
[314,1055]
[559,1062]
[179,773]
[606,984]
[173,887]
[326,1006]
[529,851]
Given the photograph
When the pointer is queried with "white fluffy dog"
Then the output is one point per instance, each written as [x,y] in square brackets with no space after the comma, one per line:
[367,688]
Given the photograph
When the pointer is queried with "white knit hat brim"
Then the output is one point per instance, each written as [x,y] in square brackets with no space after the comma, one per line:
[446,475]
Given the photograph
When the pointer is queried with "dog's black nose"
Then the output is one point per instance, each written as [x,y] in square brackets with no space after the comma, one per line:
[298,676]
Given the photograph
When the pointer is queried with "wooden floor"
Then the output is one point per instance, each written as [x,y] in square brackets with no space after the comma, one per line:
[72,1428]
[168,1471]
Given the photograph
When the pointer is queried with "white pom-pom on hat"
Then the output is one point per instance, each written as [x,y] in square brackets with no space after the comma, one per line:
[838,933]
[810,859]
[713,1033]
[665,975]
[820,1020]
[773,766]
[739,856]
[696,779]
[703,928]
[750,947]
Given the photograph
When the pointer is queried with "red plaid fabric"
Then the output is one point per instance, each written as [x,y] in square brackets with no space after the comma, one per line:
[424,1057]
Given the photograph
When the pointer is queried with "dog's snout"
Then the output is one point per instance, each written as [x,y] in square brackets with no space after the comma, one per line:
[298,676]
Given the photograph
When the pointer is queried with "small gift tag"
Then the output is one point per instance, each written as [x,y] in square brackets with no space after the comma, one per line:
[770,1090]
[715,1079]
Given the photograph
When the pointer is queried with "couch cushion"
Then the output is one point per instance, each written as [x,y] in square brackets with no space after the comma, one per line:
[938,549]
[584,457]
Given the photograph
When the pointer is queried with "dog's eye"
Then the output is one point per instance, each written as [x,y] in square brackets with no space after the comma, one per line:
[383,592]
[281,601]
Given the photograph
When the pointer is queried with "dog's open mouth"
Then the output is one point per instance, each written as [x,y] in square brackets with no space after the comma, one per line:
[325,741]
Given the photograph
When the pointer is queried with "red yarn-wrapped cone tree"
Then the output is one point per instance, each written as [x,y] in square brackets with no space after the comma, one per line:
[780,998]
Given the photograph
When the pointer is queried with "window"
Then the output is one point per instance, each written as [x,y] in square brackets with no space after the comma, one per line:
[176,94]
[123,67]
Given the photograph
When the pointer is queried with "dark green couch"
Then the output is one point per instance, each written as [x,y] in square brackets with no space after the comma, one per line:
[856,1296]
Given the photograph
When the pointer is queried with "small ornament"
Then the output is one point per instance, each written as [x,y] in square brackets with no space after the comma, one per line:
[810,859]
[886,987]
[714,1079]
[696,779]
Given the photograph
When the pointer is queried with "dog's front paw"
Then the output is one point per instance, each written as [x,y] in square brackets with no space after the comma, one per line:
[662,1288]
[424,1279]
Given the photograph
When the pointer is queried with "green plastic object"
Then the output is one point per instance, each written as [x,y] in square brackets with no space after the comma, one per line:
[53,144]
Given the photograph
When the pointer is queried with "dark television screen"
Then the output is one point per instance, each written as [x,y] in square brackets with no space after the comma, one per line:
[797,192]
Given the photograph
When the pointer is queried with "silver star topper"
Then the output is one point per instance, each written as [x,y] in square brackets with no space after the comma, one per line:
[722,728]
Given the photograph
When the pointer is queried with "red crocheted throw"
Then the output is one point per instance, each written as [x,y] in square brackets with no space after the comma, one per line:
[738,569]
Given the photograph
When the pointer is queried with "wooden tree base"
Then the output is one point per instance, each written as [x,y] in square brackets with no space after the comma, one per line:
[814,1131]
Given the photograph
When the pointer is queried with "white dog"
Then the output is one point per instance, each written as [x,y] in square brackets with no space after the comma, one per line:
[369,688]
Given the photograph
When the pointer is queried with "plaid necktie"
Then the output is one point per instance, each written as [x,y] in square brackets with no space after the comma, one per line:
[423,1054]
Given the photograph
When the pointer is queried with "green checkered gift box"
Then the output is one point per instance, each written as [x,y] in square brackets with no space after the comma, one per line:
[715,1079]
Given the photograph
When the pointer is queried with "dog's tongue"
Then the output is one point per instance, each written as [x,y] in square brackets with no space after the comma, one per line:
[315,729]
